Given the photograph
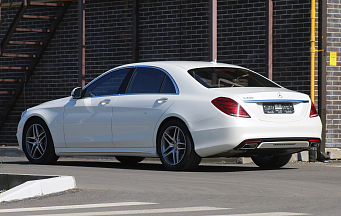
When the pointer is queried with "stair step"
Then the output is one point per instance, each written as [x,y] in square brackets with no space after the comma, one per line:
[39,17]
[7,92]
[46,4]
[14,68]
[11,80]
[32,30]
[19,55]
[26,42]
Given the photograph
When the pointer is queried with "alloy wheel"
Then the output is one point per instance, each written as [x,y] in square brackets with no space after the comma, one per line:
[36,141]
[173,145]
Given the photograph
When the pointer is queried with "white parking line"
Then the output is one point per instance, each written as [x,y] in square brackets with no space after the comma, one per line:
[338,166]
[86,206]
[267,214]
[143,211]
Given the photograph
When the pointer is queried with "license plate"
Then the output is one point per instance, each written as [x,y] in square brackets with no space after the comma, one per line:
[278,108]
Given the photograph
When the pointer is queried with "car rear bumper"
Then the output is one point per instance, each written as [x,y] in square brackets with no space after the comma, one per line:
[268,147]
[286,138]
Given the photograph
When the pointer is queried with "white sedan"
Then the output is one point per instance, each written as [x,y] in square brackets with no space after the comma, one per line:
[178,111]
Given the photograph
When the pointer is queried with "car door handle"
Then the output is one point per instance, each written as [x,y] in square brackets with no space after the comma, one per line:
[104,102]
[162,100]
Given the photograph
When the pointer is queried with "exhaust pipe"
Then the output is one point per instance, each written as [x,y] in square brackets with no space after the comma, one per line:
[251,144]
[314,144]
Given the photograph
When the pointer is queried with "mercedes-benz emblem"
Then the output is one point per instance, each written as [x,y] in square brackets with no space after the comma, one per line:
[279,95]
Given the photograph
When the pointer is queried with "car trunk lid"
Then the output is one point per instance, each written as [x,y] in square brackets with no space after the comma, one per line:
[271,104]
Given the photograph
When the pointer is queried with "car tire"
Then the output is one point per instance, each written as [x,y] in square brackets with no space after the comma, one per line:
[37,143]
[271,162]
[175,147]
[129,159]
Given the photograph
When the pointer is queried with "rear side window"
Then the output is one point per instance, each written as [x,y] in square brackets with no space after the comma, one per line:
[150,80]
[168,86]
[229,77]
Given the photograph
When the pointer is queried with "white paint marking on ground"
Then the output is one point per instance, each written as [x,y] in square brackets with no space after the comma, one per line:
[338,166]
[144,211]
[86,206]
[267,214]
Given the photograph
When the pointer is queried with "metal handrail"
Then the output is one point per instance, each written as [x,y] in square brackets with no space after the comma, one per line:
[3,19]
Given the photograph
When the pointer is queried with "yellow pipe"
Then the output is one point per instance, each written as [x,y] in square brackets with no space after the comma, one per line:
[45,1]
[312,52]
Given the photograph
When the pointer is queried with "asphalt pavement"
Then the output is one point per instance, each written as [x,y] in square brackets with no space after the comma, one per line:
[106,187]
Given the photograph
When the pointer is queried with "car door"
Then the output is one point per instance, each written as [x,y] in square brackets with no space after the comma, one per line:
[149,94]
[87,121]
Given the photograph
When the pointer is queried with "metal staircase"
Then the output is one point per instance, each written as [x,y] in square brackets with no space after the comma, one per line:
[24,35]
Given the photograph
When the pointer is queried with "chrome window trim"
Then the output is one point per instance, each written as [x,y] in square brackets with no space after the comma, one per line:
[109,71]
[112,95]
[171,78]
[129,67]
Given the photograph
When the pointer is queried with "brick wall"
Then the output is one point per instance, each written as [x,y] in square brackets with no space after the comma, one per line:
[291,38]
[242,33]
[174,30]
[48,81]
[169,30]
[333,129]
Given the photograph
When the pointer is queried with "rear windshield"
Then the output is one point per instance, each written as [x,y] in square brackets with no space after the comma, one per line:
[229,77]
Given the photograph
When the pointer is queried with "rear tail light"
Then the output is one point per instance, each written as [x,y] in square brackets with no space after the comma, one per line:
[230,107]
[313,112]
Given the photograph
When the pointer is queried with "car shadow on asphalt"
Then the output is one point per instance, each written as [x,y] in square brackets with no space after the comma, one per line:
[153,166]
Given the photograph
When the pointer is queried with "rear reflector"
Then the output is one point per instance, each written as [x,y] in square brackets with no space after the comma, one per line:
[314,140]
[313,112]
[253,141]
[251,144]
[230,107]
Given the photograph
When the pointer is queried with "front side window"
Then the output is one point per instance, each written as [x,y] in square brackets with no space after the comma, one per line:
[229,77]
[108,84]
[150,80]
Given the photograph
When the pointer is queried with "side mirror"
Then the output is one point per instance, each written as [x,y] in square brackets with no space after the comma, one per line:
[77,93]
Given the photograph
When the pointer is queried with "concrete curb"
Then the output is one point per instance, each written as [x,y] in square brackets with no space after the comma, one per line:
[39,187]
[11,151]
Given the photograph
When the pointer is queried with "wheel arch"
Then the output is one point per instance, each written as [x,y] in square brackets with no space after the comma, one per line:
[30,118]
[52,117]
[45,144]
[35,117]
[189,159]
[164,121]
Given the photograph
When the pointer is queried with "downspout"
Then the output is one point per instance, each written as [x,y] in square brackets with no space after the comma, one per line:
[213,30]
[312,52]
[321,155]
[322,84]
[269,33]
[81,43]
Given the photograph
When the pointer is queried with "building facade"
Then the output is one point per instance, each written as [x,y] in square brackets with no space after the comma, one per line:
[171,30]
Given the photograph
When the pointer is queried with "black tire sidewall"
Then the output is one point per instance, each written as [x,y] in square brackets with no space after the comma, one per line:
[275,162]
[129,159]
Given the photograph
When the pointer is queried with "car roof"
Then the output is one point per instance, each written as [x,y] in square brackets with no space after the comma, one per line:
[187,65]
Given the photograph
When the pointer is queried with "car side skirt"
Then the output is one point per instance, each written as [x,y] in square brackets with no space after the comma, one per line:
[141,152]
